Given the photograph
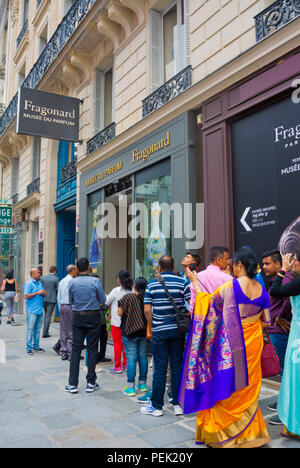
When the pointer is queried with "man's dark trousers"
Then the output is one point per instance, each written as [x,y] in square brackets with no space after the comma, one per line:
[48,309]
[166,345]
[85,325]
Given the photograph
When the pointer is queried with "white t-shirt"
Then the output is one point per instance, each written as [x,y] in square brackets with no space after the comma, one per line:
[112,300]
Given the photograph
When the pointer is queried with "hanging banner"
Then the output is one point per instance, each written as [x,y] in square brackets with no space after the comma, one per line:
[48,115]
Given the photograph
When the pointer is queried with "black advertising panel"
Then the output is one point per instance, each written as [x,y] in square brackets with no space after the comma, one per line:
[266,178]
[48,115]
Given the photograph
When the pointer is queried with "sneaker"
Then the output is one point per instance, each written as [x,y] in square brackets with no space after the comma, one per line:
[39,350]
[275,421]
[30,352]
[272,407]
[116,370]
[150,411]
[146,398]
[71,389]
[8,322]
[142,388]
[92,388]
[178,410]
[12,320]
[130,391]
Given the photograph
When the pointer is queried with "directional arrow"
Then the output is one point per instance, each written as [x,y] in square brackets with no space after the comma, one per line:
[243,219]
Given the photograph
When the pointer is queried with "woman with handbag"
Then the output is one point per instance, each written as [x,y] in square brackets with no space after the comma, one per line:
[11,295]
[134,325]
[222,374]
[289,397]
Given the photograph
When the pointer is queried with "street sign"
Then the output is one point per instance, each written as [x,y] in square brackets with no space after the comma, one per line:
[6,230]
[5,216]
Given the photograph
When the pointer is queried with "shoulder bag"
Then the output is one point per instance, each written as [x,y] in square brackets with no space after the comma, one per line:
[269,359]
[183,316]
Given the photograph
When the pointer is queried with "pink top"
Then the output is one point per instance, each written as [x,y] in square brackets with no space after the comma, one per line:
[211,279]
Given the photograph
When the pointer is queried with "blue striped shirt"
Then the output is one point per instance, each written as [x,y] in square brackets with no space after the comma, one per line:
[163,313]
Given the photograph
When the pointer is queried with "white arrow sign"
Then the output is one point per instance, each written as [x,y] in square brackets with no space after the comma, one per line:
[243,219]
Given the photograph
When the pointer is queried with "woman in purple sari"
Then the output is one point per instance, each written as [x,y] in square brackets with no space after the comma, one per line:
[222,376]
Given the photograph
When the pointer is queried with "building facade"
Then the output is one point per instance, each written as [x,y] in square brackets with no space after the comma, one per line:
[156,75]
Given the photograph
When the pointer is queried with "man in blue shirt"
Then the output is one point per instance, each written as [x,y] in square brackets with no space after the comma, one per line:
[34,295]
[167,344]
[86,296]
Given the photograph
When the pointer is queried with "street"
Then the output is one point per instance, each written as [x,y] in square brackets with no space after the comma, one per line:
[35,411]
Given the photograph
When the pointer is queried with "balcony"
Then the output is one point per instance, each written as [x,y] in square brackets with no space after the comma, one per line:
[101,138]
[34,187]
[63,33]
[69,171]
[22,33]
[275,17]
[168,91]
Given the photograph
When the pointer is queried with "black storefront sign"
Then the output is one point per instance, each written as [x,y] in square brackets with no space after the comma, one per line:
[48,115]
[266,176]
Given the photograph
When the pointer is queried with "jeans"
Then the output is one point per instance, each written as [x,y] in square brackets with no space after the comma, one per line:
[85,326]
[280,342]
[136,352]
[167,345]
[48,309]
[9,297]
[33,334]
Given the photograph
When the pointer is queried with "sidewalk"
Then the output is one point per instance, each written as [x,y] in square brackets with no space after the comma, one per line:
[36,412]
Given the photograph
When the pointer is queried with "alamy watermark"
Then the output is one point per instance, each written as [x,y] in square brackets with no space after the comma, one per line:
[296,93]
[160,221]
[2,352]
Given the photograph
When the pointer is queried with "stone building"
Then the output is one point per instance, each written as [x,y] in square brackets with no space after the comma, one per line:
[147,72]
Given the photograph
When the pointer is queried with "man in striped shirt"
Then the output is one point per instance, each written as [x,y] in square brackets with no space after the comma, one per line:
[167,344]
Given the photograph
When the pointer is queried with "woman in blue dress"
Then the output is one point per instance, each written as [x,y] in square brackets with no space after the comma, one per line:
[289,398]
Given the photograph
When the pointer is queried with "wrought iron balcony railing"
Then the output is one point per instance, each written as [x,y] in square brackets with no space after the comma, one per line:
[168,91]
[22,33]
[2,109]
[101,138]
[69,171]
[34,187]
[275,17]
[63,33]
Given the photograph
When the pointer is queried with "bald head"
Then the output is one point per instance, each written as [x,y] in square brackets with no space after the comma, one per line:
[35,273]
[72,270]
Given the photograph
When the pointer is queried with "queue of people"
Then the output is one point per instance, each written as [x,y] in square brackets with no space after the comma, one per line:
[215,369]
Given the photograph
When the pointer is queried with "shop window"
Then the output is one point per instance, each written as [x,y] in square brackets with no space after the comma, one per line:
[153,188]
[103,99]
[169,42]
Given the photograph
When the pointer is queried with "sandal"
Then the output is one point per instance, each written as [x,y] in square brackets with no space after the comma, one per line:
[289,435]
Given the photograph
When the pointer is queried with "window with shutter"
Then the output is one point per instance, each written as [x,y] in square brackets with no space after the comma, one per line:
[36,158]
[169,42]
[156,50]
[103,99]
[15,177]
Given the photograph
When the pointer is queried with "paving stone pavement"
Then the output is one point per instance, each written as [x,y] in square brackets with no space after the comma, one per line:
[35,411]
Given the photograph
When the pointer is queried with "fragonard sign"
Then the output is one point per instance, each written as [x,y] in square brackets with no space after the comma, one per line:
[48,115]
[266,175]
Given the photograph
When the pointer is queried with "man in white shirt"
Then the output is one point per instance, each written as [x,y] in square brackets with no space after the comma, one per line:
[66,313]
